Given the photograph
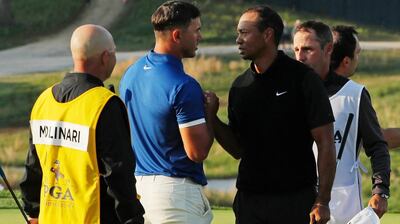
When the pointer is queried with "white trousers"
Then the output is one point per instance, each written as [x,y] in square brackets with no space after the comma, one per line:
[172,200]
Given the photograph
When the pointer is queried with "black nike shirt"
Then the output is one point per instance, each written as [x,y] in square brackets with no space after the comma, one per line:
[272,115]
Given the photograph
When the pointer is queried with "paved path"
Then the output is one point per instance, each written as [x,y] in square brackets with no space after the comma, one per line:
[35,58]
[52,53]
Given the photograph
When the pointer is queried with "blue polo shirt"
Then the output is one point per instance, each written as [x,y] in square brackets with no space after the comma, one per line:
[160,99]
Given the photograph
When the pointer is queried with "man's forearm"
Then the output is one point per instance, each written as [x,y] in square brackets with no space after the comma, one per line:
[326,163]
[226,138]
[210,128]
[31,182]
[380,164]
[392,137]
[374,142]
[326,170]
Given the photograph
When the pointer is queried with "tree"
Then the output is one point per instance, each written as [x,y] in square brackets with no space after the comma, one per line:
[6,16]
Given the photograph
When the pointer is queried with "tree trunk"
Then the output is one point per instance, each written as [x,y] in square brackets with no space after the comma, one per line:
[6,16]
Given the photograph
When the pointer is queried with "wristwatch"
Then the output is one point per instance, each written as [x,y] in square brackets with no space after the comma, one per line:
[383,195]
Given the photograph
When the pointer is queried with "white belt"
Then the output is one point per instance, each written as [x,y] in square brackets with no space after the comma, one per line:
[156,178]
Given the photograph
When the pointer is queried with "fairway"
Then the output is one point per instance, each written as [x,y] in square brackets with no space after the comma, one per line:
[11,216]
[221,216]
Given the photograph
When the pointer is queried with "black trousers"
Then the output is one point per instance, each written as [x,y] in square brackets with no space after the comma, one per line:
[277,208]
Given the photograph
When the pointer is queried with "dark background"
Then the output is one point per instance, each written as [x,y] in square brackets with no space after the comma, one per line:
[384,13]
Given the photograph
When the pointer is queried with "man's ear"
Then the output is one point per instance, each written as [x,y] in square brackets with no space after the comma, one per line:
[268,34]
[105,57]
[176,35]
[346,61]
[329,48]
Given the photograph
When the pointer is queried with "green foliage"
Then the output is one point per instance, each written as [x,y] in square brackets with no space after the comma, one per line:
[220,198]
[133,30]
[35,18]
[379,62]
[219,19]
[216,74]
[6,200]
[385,95]
[13,147]
[220,164]
[370,33]
[17,95]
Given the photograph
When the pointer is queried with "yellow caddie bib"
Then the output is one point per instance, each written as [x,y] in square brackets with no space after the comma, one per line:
[64,135]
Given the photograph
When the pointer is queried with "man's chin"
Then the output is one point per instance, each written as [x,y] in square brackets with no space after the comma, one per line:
[243,55]
[191,55]
[188,54]
[246,57]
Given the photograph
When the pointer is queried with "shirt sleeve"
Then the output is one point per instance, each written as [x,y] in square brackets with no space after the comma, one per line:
[318,106]
[31,182]
[117,161]
[374,145]
[189,104]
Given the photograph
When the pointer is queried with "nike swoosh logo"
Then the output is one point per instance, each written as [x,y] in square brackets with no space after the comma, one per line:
[280,93]
[146,67]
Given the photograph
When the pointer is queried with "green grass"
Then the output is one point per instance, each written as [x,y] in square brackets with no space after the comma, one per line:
[35,18]
[13,146]
[394,201]
[11,216]
[133,31]
[221,216]
[371,33]
[6,200]
[391,218]
[219,19]
[17,95]
[379,63]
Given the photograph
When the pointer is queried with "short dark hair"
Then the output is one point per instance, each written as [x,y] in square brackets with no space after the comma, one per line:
[344,44]
[173,14]
[322,31]
[268,18]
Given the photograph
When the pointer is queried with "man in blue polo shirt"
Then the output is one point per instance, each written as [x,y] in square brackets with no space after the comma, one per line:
[168,114]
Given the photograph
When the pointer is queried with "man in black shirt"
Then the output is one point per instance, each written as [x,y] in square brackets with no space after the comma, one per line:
[313,46]
[93,52]
[277,108]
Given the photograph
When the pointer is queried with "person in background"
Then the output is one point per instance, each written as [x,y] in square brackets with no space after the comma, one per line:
[79,164]
[169,118]
[355,122]
[344,61]
[276,109]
